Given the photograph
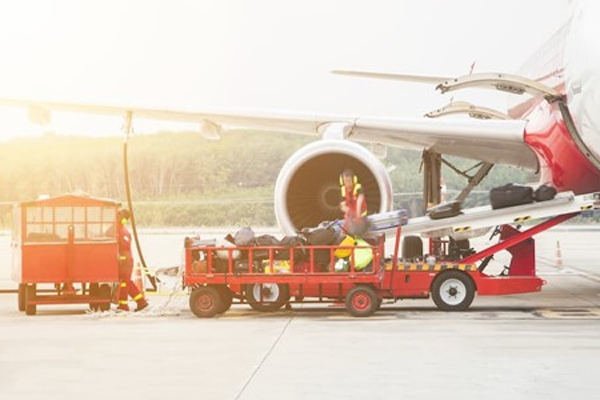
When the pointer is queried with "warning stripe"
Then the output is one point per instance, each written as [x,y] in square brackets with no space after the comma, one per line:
[414,267]
[462,229]
[522,219]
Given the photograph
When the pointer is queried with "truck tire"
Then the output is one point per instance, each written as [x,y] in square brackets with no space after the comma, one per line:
[105,292]
[22,295]
[94,291]
[362,301]
[30,295]
[453,291]
[205,301]
[226,298]
[412,247]
[267,297]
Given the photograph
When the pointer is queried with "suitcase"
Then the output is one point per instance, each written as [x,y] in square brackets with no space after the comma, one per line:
[319,236]
[510,195]
[387,220]
[362,256]
[544,193]
[445,210]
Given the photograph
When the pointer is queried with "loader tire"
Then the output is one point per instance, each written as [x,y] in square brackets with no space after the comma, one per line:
[267,297]
[22,296]
[453,291]
[362,301]
[412,247]
[205,301]
[30,295]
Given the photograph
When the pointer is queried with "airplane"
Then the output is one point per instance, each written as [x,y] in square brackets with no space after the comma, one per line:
[555,132]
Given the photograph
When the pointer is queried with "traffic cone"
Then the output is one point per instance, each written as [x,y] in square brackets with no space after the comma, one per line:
[558,262]
[137,277]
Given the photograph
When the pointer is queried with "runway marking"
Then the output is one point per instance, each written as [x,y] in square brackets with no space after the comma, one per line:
[569,313]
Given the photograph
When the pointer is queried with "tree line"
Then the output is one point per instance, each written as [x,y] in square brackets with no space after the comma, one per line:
[181,179]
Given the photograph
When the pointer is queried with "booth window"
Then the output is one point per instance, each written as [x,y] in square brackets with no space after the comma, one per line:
[51,224]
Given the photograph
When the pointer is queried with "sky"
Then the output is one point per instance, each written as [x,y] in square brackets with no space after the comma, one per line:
[260,54]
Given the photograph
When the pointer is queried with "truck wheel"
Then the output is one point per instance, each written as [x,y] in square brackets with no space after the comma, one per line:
[226,298]
[22,295]
[362,301]
[412,247]
[453,291]
[105,293]
[30,295]
[267,297]
[205,302]
[94,291]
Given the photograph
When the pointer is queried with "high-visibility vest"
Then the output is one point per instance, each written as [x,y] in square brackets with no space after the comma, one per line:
[351,198]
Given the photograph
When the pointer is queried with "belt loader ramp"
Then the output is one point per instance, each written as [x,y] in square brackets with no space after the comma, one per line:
[269,277]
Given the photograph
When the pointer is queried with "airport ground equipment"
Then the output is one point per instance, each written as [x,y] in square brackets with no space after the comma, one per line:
[269,277]
[69,244]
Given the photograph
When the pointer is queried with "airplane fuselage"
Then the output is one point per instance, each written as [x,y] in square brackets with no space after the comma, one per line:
[566,137]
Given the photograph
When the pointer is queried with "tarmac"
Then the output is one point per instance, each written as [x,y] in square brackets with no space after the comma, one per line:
[535,346]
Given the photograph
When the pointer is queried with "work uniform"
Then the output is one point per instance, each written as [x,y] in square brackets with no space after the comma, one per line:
[354,222]
[126,285]
[351,199]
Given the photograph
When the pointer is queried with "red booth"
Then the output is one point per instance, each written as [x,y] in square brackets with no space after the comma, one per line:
[67,241]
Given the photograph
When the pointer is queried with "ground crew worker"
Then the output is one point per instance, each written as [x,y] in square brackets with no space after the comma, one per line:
[126,285]
[353,203]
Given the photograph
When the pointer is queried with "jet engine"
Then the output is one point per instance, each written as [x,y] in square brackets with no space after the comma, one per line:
[307,190]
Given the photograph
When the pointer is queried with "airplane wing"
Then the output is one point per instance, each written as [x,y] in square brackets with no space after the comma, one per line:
[492,141]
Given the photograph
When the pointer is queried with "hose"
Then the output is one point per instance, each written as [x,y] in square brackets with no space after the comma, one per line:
[127,130]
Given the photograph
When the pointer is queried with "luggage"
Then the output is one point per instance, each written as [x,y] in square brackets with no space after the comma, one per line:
[267,240]
[320,237]
[445,210]
[279,267]
[544,193]
[224,254]
[387,220]
[347,251]
[292,241]
[362,257]
[245,237]
[510,195]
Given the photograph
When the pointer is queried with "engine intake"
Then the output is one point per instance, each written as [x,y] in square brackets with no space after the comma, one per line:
[307,190]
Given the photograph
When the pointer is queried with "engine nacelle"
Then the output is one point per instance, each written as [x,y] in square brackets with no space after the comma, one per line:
[307,190]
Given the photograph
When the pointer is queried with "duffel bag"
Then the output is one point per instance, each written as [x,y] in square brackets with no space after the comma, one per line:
[320,237]
[544,193]
[445,210]
[510,195]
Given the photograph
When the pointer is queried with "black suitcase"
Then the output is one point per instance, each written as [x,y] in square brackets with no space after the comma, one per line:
[545,193]
[510,195]
[319,236]
[445,210]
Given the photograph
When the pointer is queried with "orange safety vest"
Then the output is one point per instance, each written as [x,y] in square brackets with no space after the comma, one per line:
[351,198]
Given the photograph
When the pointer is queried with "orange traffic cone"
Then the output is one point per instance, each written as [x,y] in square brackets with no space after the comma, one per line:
[558,258]
[137,277]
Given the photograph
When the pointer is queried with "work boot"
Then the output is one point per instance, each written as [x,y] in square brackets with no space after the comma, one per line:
[141,304]
[122,308]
